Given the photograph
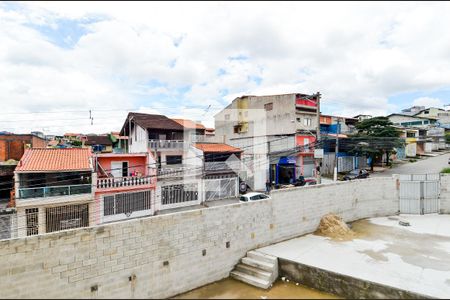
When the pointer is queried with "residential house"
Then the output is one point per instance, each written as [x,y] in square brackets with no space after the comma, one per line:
[442,116]
[412,110]
[179,164]
[222,167]
[99,143]
[410,121]
[362,117]
[277,134]
[54,191]
[125,187]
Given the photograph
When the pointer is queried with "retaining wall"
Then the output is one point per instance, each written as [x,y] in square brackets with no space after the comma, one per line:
[161,256]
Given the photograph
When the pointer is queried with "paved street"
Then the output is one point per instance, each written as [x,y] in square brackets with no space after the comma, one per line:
[428,165]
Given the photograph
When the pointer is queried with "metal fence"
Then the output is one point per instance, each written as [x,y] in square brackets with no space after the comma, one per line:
[221,188]
[179,193]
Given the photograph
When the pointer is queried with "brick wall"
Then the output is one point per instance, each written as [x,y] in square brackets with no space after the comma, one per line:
[108,257]
[13,146]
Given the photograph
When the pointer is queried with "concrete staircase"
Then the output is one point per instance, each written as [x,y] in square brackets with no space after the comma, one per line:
[257,269]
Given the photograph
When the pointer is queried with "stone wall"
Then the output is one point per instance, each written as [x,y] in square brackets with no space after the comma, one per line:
[161,256]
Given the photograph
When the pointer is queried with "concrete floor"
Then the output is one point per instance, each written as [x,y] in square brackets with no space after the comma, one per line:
[414,258]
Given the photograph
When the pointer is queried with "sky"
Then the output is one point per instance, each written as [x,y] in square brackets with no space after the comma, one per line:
[82,66]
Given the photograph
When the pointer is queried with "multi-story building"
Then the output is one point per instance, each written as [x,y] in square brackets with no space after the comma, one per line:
[179,164]
[53,190]
[277,134]
[99,143]
[125,186]
[12,147]
[442,116]
[411,121]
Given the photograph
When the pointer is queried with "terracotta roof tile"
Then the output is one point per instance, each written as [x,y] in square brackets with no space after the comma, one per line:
[49,159]
[213,147]
[189,124]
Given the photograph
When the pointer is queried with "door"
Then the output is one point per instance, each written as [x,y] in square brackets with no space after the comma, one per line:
[419,194]
[117,169]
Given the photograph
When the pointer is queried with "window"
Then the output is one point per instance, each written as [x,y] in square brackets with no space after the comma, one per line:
[67,217]
[299,119]
[410,134]
[268,106]
[126,203]
[174,159]
[307,121]
[32,221]
[237,129]
[246,114]
[227,117]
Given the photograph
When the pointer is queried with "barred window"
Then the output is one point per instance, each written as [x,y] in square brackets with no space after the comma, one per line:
[32,221]
[126,203]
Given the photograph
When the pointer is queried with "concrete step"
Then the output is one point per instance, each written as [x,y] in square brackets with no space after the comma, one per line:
[265,266]
[262,256]
[253,271]
[252,280]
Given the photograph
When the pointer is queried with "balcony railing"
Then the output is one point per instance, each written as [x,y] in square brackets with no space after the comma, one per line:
[52,191]
[111,182]
[165,144]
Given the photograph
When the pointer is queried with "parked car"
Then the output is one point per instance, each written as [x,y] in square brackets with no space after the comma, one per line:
[253,197]
[306,182]
[449,160]
[356,174]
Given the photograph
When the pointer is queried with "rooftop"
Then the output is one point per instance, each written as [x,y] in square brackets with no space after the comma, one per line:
[151,121]
[98,140]
[53,160]
[189,124]
[216,147]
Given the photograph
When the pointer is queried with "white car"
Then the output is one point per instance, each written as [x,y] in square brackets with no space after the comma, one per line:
[253,197]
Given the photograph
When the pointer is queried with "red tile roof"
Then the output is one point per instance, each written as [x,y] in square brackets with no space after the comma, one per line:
[49,159]
[213,147]
[189,124]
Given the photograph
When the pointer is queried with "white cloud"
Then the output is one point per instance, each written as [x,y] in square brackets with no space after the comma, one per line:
[428,102]
[355,54]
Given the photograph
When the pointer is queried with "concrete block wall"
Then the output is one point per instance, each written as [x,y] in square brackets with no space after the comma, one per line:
[161,256]
[445,194]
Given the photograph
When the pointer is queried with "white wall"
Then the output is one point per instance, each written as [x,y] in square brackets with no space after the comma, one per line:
[71,262]
[140,144]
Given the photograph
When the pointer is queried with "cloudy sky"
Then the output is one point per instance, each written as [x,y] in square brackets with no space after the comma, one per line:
[60,60]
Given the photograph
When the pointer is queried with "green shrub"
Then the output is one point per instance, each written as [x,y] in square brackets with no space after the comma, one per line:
[446,170]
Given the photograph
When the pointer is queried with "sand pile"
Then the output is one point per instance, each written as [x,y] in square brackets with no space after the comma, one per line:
[334,227]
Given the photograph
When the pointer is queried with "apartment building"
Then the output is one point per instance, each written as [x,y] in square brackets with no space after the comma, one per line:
[277,134]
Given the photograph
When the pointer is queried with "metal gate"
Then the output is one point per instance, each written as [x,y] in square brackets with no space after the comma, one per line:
[221,188]
[419,193]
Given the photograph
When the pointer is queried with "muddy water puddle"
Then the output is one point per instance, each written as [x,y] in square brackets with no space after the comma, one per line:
[232,289]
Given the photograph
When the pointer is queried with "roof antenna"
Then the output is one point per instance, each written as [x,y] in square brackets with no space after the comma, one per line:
[206,110]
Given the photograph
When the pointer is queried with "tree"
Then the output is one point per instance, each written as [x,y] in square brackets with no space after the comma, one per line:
[375,137]
[447,137]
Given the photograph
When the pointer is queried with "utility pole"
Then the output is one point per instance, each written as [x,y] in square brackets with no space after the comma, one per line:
[318,161]
[336,150]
